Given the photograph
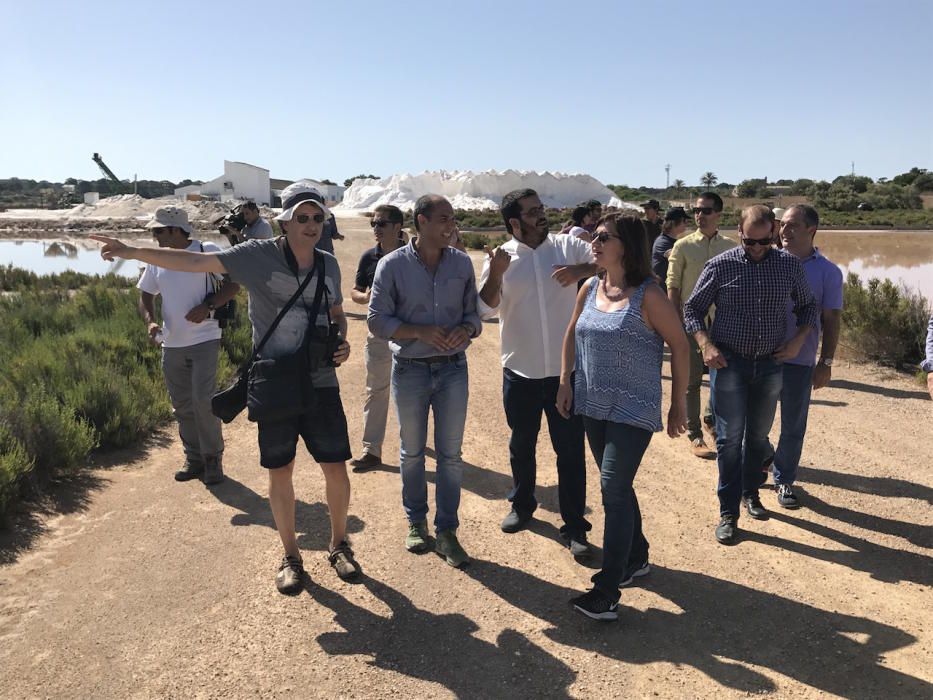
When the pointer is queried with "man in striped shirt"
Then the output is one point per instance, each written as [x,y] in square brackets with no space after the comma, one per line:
[751,287]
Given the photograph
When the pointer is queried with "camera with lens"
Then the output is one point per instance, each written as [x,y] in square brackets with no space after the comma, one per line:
[323,343]
[232,224]
[225,314]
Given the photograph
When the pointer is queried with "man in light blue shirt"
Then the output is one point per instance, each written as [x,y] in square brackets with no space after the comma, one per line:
[803,373]
[927,364]
[423,301]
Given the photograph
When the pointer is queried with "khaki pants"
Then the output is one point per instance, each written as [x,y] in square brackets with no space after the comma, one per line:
[376,408]
[191,378]
[694,426]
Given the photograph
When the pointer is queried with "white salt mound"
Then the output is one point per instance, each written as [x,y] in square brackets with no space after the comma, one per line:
[469,190]
[123,206]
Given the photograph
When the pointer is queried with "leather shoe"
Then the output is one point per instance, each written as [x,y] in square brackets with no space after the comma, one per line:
[754,508]
[365,463]
[727,529]
[515,521]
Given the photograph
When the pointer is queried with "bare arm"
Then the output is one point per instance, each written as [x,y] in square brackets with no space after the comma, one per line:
[568,356]
[360,297]
[831,320]
[147,311]
[167,258]
[660,314]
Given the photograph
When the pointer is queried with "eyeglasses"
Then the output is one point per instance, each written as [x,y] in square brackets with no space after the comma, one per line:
[603,237]
[757,241]
[305,218]
[703,210]
[380,223]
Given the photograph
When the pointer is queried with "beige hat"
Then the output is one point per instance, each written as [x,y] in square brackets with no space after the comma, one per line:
[778,213]
[297,194]
[170,216]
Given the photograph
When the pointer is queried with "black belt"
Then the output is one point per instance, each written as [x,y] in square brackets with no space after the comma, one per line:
[434,359]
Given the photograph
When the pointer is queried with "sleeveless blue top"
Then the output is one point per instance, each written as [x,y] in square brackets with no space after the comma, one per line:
[618,367]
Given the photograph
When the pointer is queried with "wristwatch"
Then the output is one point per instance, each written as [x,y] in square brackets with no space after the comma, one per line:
[210,305]
[828,361]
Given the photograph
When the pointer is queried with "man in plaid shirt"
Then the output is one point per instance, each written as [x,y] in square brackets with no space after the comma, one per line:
[751,286]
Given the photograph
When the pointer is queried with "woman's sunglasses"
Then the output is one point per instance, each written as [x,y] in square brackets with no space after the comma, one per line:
[305,218]
[603,237]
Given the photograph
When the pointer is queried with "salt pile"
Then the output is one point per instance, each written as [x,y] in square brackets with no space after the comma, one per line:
[469,190]
[122,206]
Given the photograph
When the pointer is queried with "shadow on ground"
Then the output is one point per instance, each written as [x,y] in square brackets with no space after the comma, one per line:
[64,495]
[441,648]
[721,629]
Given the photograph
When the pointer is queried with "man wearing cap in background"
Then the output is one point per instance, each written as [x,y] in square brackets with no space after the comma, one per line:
[272,271]
[687,259]
[387,230]
[257,228]
[424,303]
[778,216]
[652,220]
[673,228]
[190,340]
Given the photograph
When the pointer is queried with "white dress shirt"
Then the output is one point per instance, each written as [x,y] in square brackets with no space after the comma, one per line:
[534,310]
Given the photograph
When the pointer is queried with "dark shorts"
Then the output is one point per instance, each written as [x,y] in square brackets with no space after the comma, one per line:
[324,429]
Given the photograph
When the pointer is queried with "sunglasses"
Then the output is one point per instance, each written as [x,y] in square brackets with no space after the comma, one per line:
[381,223]
[703,210]
[156,232]
[603,237]
[305,218]
[757,241]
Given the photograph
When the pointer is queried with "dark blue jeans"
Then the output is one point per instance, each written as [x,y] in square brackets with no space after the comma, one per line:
[795,408]
[745,394]
[525,400]
[618,449]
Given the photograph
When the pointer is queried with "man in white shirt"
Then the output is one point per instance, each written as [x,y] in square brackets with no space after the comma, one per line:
[190,340]
[530,282]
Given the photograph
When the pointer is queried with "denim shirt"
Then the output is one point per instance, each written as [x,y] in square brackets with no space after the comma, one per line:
[405,291]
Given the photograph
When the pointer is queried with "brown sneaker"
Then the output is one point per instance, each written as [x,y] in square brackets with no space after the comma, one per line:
[341,558]
[289,579]
[700,449]
[365,463]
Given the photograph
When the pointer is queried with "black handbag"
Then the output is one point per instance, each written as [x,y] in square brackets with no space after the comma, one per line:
[279,388]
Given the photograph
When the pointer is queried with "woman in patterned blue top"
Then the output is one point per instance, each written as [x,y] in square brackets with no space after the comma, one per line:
[612,355]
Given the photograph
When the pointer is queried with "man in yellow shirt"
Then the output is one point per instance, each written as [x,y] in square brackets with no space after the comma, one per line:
[688,257]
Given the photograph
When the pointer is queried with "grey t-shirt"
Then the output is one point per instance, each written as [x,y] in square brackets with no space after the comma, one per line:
[260,229]
[260,266]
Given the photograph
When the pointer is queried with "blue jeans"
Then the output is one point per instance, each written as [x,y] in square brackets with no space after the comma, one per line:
[618,449]
[416,388]
[525,400]
[745,394]
[795,407]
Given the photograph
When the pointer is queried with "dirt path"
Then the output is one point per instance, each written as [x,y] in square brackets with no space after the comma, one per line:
[143,587]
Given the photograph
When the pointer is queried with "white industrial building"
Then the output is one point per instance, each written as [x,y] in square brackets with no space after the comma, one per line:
[242,181]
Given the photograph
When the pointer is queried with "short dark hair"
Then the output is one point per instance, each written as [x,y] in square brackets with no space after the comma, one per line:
[425,207]
[717,200]
[510,207]
[636,258]
[810,217]
[592,204]
[579,213]
[250,204]
[390,212]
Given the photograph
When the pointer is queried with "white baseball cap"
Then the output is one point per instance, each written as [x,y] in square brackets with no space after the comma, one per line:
[165,217]
[297,194]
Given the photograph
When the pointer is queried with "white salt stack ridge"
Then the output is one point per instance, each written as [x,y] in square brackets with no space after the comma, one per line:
[469,190]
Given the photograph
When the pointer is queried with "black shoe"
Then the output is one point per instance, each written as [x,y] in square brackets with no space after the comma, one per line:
[289,578]
[190,470]
[515,521]
[754,508]
[365,463]
[634,573]
[727,529]
[579,547]
[596,606]
[786,497]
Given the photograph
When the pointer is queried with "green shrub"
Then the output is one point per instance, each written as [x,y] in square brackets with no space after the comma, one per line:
[477,241]
[883,322]
[15,464]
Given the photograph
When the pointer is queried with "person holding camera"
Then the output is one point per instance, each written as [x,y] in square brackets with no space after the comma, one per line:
[273,271]
[257,228]
[424,303]
[190,340]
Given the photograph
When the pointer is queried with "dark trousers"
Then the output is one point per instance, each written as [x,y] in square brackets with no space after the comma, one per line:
[618,450]
[525,400]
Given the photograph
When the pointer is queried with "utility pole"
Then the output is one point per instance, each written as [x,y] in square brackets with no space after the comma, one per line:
[853,167]
[667,169]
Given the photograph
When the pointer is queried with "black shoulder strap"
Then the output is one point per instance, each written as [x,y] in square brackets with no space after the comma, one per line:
[291,302]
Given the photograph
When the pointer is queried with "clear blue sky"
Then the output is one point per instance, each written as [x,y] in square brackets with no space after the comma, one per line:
[329,90]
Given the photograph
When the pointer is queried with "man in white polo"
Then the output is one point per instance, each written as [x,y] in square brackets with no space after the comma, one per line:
[530,282]
[190,343]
